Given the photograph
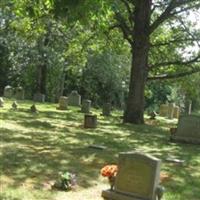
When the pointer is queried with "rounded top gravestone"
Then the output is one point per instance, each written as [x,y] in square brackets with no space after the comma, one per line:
[19,93]
[8,91]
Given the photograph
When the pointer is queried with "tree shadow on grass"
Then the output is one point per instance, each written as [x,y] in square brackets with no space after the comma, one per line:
[41,153]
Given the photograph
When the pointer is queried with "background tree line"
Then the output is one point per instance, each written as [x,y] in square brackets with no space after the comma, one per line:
[54,47]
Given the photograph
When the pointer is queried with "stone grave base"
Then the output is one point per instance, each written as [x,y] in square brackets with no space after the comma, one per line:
[113,195]
[188,140]
[90,121]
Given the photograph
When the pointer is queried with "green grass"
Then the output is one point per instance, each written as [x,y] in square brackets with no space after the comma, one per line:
[36,147]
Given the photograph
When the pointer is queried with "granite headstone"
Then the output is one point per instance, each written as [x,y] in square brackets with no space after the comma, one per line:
[137,178]
[8,91]
[188,129]
[74,99]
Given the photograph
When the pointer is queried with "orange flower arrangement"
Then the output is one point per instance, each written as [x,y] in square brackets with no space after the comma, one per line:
[164,177]
[109,170]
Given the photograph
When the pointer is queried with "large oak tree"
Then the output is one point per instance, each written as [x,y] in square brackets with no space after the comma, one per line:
[141,23]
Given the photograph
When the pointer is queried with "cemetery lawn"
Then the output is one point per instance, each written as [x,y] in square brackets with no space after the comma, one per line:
[36,147]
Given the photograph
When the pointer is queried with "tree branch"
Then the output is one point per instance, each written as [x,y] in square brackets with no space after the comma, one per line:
[180,40]
[130,11]
[124,27]
[172,76]
[178,62]
[168,12]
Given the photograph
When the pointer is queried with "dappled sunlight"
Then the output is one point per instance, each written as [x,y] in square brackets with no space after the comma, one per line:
[35,148]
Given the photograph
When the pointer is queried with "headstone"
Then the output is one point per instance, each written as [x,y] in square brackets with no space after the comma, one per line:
[14,105]
[74,99]
[171,110]
[38,97]
[8,91]
[1,102]
[163,110]
[188,130]
[86,105]
[19,93]
[106,109]
[33,108]
[176,112]
[137,178]
[90,121]
[63,103]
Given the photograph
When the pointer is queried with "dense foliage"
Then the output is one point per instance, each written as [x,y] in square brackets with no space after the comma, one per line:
[54,47]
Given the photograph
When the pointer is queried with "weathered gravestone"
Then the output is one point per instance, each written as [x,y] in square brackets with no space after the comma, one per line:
[137,178]
[74,99]
[1,102]
[171,110]
[188,130]
[163,110]
[106,110]
[19,93]
[8,91]
[86,105]
[63,103]
[39,97]
[90,121]
[176,112]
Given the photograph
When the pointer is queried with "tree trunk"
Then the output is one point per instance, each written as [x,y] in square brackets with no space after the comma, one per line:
[41,78]
[42,68]
[134,112]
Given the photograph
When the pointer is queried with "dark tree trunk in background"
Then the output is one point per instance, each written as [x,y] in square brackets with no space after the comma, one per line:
[134,112]
[42,68]
[41,78]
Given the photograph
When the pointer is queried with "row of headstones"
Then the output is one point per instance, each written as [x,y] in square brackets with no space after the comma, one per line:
[169,110]
[17,92]
[74,99]
[85,106]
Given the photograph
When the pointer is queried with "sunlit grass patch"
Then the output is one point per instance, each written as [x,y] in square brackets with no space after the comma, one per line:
[36,147]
